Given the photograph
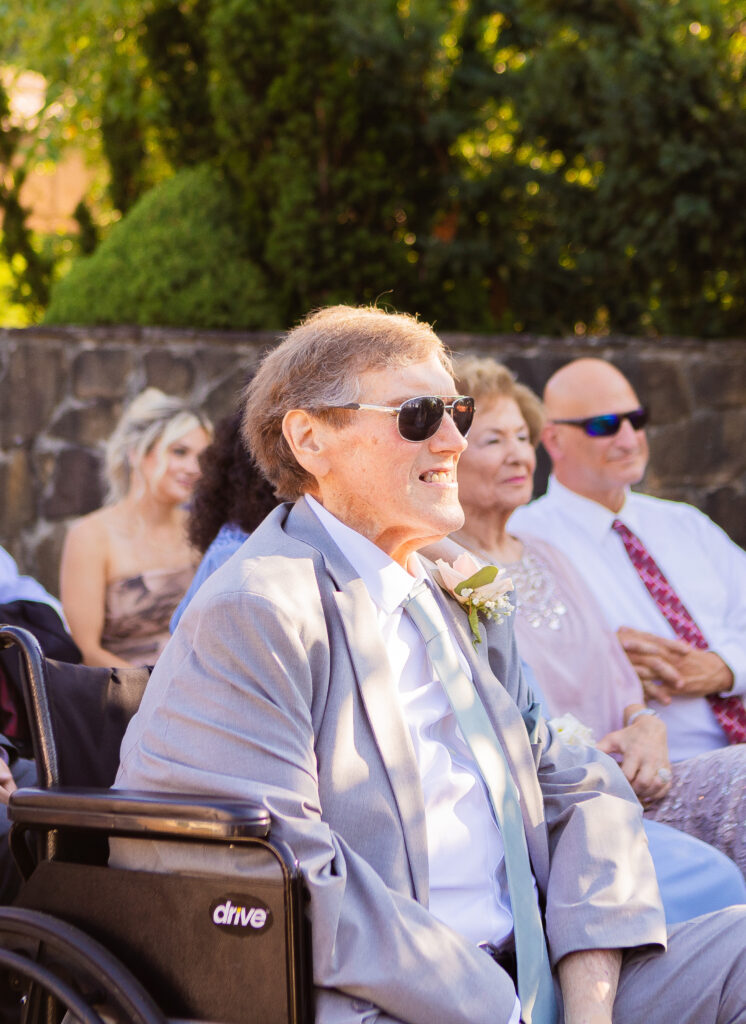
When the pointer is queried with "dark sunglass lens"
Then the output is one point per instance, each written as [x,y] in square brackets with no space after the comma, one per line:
[463,414]
[419,418]
[603,426]
[608,425]
[638,418]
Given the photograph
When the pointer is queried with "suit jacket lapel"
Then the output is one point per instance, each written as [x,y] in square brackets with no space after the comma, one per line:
[376,687]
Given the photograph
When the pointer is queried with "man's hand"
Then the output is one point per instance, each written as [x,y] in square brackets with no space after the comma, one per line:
[644,751]
[588,980]
[671,668]
[652,658]
[7,782]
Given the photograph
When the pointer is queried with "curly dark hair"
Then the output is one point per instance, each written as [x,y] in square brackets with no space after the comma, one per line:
[231,488]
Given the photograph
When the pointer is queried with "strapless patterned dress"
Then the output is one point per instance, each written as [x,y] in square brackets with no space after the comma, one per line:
[138,610]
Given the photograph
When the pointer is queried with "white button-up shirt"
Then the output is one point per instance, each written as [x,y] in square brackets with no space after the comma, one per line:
[468,886]
[705,568]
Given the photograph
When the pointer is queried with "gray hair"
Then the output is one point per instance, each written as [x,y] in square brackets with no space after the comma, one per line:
[318,364]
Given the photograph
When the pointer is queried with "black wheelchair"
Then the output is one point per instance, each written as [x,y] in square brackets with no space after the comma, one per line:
[89,942]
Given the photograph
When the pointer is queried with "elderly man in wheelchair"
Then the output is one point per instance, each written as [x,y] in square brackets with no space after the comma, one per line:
[338,782]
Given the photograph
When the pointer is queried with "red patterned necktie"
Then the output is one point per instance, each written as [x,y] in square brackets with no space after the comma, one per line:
[729,711]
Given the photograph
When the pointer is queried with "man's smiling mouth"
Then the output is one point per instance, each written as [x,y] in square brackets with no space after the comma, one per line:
[437,476]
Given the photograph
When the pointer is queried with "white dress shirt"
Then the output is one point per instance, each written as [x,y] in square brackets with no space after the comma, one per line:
[705,568]
[468,886]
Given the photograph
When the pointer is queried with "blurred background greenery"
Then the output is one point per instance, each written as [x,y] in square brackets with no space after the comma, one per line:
[556,167]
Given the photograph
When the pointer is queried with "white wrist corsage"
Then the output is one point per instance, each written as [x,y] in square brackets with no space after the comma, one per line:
[572,730]
[479,589]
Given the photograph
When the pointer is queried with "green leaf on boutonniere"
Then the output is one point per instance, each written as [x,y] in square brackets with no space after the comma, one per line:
[474,623]
[479,579]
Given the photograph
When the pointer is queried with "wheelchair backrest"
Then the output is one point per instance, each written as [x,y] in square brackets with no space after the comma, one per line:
[90,709]
[78,714]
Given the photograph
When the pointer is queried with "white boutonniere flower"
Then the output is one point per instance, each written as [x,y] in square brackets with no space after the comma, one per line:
[572,730]
[481,590]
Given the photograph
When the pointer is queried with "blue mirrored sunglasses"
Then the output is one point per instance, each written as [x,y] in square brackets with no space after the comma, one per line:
[609,423]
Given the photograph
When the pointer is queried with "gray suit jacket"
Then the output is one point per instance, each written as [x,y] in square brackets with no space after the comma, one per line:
[276,687]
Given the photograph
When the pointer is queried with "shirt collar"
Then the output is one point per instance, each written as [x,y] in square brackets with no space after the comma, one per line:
[595,518]
[630,511]
[385,580]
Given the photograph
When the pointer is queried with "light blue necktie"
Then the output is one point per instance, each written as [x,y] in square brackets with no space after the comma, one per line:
[535,985]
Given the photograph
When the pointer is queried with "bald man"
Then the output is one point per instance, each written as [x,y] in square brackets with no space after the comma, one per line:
[595,437]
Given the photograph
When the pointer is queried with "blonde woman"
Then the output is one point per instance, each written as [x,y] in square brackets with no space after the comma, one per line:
[126,566]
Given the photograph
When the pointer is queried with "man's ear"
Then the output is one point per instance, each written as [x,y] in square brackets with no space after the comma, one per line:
[550,440]
[305,435]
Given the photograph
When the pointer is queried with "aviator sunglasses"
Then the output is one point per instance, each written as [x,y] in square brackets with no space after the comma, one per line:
[419,418]
[609,423]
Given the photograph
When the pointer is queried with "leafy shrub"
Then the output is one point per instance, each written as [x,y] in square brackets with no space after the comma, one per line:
[176,259]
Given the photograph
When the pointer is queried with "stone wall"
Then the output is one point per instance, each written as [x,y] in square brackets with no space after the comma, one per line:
[64,388]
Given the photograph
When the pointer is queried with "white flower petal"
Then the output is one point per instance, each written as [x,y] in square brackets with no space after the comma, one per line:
[466,566]
[572,731]
[492,591]
[448,575]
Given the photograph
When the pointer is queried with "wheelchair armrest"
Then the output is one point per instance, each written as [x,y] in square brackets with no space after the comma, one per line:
[120,812]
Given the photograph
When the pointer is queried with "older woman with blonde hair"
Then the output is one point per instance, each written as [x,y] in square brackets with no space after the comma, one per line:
[126,566]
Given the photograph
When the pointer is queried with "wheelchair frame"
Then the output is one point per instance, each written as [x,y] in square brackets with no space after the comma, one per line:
[252,967]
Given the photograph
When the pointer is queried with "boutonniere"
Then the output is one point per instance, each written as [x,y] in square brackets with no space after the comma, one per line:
[481,590]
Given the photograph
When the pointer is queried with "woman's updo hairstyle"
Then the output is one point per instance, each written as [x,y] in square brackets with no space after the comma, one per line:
[487,381]
[150,418]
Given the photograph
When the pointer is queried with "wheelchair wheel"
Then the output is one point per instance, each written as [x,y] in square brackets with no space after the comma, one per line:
[50,968]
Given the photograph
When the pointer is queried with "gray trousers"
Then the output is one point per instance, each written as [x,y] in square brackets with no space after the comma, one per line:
[700,979]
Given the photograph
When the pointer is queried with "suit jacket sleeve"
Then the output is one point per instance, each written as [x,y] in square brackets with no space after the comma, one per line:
[231,708]
[600,890]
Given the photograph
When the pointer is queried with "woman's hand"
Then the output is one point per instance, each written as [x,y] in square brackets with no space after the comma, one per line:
[643,748]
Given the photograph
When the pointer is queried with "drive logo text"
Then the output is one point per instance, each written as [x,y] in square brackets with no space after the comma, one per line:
[241,915]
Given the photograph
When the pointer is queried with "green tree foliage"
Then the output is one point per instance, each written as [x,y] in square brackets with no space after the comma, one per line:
[633,117]
[174,260]
[173,42]
[122,136]
[30,270]
[88,232]
[529,165]
[342,129]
